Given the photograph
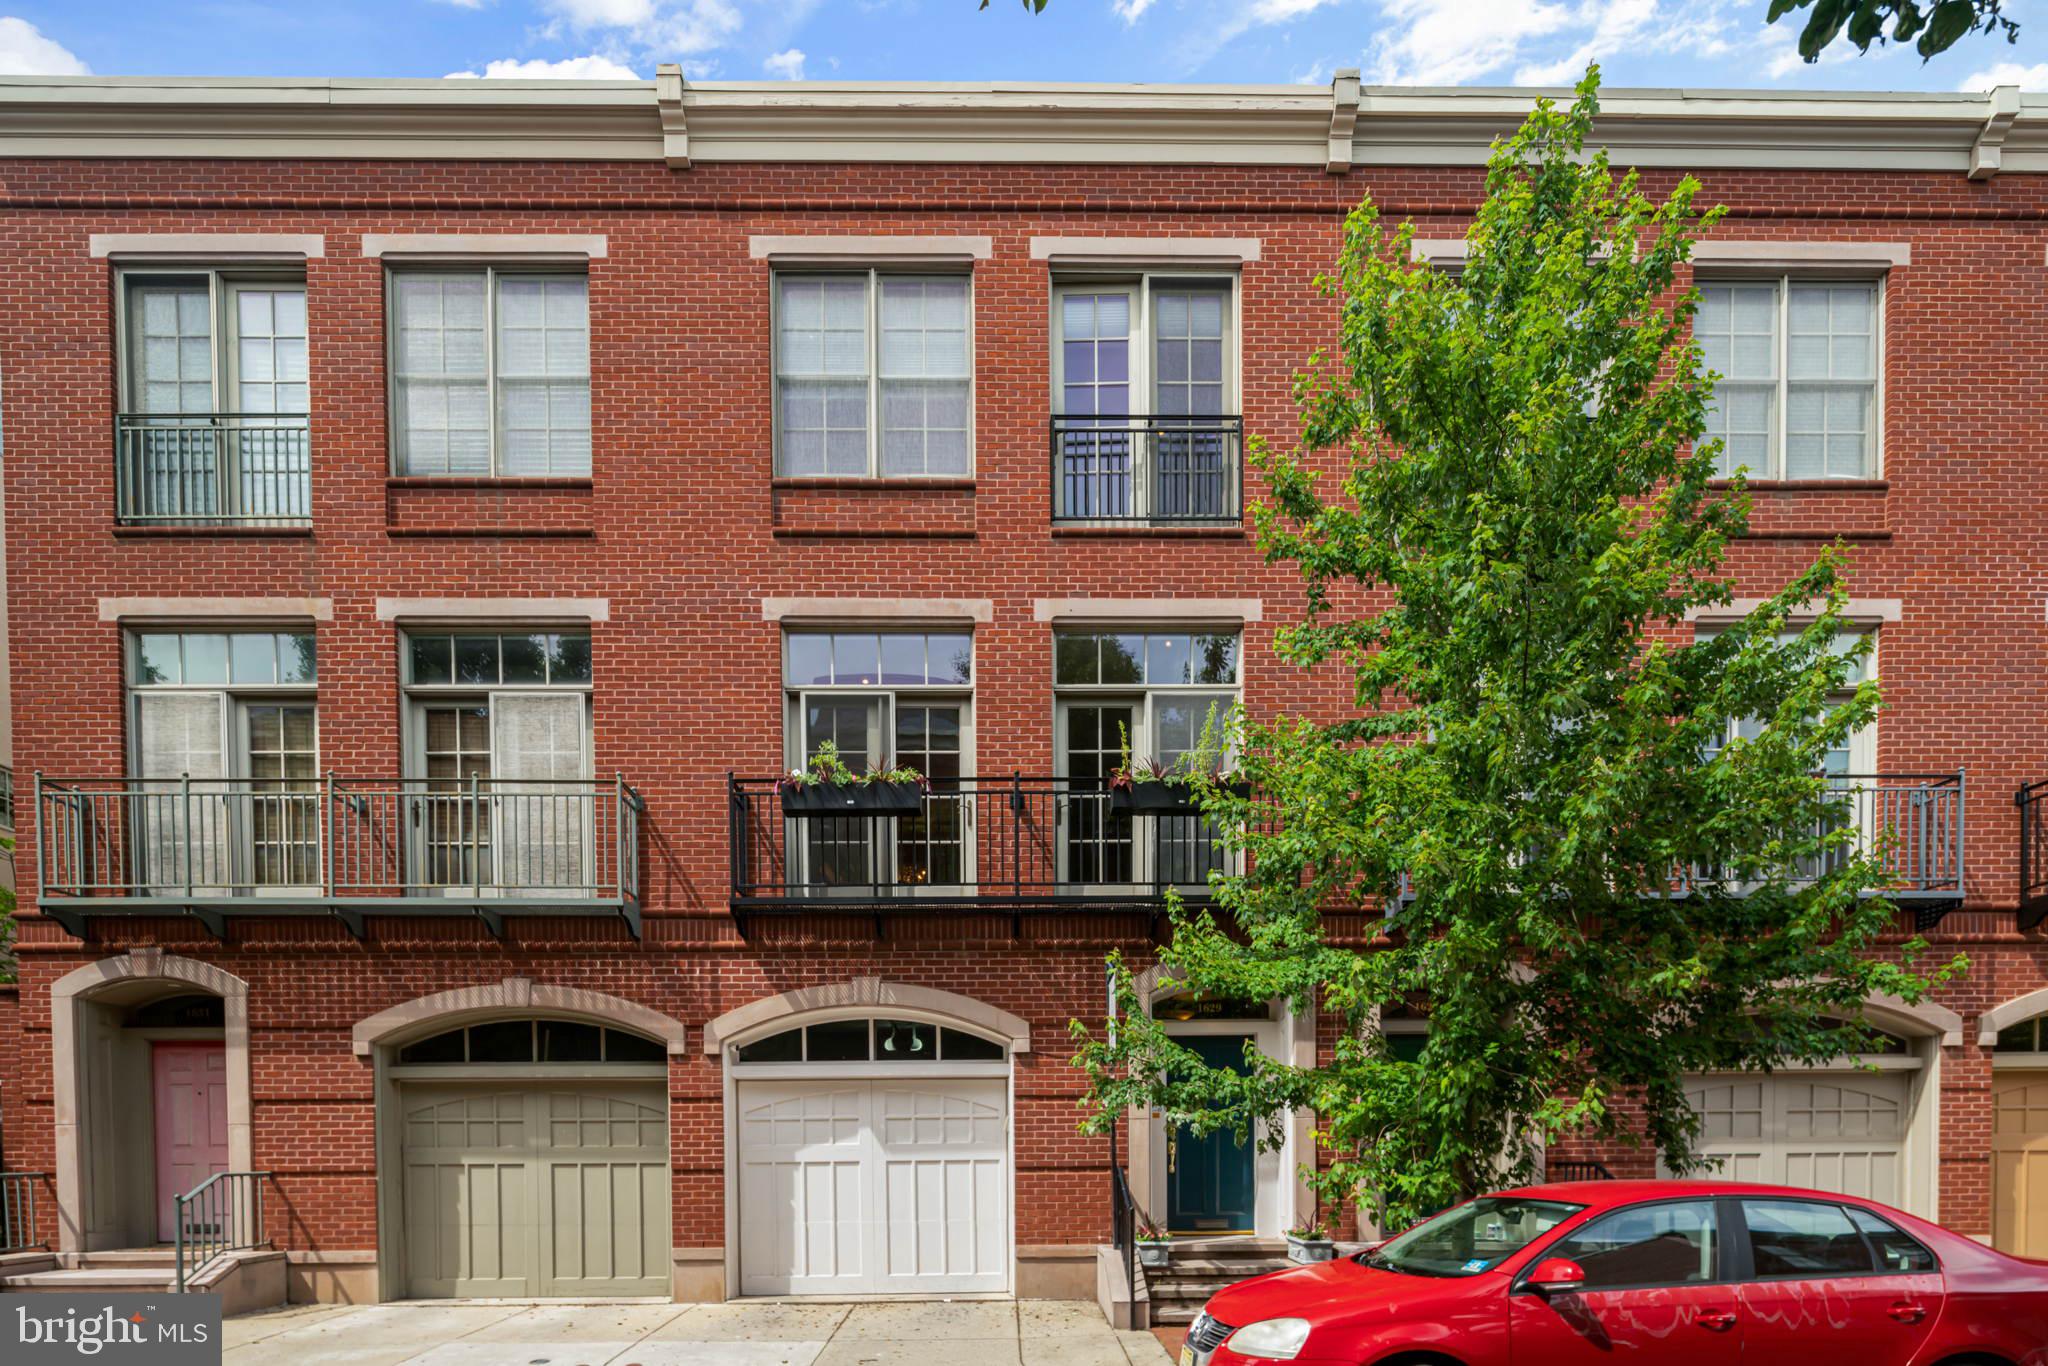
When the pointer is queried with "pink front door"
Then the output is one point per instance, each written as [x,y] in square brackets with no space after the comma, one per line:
[191,1123]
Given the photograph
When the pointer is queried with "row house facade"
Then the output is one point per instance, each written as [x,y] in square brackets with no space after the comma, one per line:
[438,512]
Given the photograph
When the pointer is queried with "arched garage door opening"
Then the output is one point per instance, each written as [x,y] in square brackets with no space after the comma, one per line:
[869,1143]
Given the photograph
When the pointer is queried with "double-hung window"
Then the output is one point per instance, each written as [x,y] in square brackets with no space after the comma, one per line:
[224,746]
[885,700]
[1799,395]
[498,787]
[213,399]
[873,375]
[490,373]
[1153,695]
[1145,400]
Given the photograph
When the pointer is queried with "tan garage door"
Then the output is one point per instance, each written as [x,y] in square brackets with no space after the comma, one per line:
[1827,1131]
[2019,1163]
[541,1189]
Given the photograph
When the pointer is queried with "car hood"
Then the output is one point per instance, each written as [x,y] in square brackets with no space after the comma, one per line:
[1329,1292]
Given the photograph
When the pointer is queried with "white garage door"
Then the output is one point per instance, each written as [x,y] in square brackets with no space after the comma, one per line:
[873,1187]
[1828,1131]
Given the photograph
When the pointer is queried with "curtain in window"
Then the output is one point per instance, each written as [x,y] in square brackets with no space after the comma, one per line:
[1737,327]
[544,375]
[1830,381]
[924,376]
[443,374]
[175,465]
[273,473]
[822,374]
[181,828]
[541,792]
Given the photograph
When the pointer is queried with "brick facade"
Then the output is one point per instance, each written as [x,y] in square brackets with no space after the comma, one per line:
[683,529]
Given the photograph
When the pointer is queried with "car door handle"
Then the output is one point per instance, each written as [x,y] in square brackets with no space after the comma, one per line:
[1908,1313]
[1716,1320]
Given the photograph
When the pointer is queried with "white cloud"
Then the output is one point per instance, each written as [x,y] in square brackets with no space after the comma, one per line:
[464,4]
[785,66]
[2033,77]
[1449,42]
[24,51]
[568,69]
[1617,24]
[1129,10]
[589,14]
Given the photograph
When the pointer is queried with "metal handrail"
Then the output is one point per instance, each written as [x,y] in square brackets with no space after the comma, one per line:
[192,839]
[1139,469]
[1123,1218]
[1014,841]
[223,1213]
[19,1225]
[2032,801]
[1912,822]
[212,469]
[1576,1170]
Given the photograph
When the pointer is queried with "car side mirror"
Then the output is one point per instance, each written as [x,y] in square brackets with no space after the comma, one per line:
[1556,1276]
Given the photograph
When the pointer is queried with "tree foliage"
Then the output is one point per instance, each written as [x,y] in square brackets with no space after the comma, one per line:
[1501,511]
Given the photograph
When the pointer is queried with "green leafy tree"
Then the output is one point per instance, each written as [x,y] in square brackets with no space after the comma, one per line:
[1501,511]
[1932,28]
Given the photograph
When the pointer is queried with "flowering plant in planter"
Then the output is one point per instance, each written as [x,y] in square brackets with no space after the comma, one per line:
[827,787]
[1148,787]
[1155,1246]
[1310,1242]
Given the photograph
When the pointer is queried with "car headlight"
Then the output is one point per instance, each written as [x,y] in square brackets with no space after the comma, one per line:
[1280,1339]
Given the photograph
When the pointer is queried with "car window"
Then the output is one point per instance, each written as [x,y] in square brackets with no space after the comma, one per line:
[1804,1238]
[1895,1251]
[1472,1237]
[1672,1242]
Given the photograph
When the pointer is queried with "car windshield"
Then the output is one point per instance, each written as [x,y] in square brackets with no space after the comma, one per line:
[1471,1238]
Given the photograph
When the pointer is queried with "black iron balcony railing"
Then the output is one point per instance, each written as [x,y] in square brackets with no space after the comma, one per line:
[212,469]
[222,1214]
[1148,470]
[20,1228]
[1015,843]
[350,847]
[2032,800]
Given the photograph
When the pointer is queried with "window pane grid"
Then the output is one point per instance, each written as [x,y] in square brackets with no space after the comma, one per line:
[1798,393]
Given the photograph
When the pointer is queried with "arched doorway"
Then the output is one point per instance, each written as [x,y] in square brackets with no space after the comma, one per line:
[2017,1035]
[868,1141]
[144,1024]
[523,1144]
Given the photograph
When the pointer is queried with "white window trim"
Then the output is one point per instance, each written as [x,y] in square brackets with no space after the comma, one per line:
[861,252]
[217,248]
[874,275]
[1161,252]
[242,611]
[493,272]
[1856,611]
[224,332]
[1795,257]
[1228,612]
[1785,279]
[827,611]
[795,695]
[501,611]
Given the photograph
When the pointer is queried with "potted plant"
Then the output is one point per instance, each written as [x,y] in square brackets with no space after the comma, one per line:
[827,787]
[1310,1242]
[1155,1248]
[1149,788]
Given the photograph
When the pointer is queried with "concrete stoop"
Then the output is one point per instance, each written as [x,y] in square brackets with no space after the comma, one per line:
[251,1279]
[1200,1268]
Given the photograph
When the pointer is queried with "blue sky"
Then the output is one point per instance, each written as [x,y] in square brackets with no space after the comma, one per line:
[1638,42]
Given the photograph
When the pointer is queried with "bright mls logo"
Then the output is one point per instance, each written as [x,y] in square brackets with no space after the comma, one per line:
[119,1330]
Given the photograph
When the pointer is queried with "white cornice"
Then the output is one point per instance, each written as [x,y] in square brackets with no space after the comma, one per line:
[682,123]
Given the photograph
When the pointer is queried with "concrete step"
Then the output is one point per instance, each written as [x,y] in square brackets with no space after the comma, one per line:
[115,1280]
[1174,1315]
[1219,1267]
[148,1258]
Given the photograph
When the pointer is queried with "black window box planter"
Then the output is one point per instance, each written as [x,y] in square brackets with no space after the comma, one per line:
[818,800]
[1165,799]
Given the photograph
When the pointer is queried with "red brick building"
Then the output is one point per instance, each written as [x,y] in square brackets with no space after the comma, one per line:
[437,512]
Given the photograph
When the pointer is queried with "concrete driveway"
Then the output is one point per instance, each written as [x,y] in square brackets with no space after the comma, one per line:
[990,1333]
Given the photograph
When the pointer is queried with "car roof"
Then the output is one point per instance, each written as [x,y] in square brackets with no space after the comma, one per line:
[1607,1193]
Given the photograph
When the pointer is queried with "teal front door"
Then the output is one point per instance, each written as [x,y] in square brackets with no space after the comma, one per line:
[1210,1185]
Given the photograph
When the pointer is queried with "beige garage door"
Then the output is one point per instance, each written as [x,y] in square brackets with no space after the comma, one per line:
[1827,1131]
[536,1190]
[2019,1163]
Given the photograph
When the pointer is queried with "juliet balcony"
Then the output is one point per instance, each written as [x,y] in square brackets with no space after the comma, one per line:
[1017,845]
[349,848]
[1148,471]
[212,471]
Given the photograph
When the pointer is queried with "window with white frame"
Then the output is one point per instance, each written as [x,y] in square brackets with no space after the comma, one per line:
[873,375]
[490,372]
[225,758]
[1144,398]
[214,396]
[883,700]
[498,770]
[1799,395]
[1155,695]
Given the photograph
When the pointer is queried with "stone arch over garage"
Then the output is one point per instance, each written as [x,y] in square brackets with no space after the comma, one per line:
[513,996]
[2008,1014]
[867,994]
[86,1175]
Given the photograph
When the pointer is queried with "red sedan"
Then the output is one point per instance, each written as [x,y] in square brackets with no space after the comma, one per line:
[1670,1273]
